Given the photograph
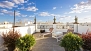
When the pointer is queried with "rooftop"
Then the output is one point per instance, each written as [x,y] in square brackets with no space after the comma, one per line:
[46,44]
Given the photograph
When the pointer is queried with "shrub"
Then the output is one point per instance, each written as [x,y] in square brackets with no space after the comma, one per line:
[25,43]
[10,39]
[71,42]
[87,41]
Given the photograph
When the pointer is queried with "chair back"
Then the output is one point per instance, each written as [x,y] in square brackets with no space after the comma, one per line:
[51,29]
[70,30]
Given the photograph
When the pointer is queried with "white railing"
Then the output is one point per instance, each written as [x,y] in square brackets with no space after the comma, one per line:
[59,27]
[44,26]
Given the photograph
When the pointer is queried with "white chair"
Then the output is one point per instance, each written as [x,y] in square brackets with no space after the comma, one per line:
[50,32]
[57,35]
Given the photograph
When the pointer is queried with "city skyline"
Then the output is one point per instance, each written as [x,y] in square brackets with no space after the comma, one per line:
[45,10]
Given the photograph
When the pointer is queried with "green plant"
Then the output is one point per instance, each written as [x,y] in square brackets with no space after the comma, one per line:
[25,42]
[10,39]
[71,42]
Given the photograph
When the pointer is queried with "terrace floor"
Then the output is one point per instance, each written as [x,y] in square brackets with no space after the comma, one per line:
[46,44]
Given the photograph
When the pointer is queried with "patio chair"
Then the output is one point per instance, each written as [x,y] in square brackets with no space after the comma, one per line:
[47,33]
[70,30]
[58,35]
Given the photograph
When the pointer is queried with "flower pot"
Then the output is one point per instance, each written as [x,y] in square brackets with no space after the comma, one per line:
[11,48]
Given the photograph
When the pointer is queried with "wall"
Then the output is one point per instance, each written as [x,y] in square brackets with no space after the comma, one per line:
[83,29]
[6,25]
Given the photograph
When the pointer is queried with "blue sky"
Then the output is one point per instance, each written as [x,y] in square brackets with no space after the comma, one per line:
[45,10]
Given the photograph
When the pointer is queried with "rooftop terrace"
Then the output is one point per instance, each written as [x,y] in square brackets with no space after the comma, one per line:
[46,44]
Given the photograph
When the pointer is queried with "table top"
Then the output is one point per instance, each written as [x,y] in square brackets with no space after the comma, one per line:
[58,32]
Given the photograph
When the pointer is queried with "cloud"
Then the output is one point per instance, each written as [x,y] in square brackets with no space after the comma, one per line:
[32,16]
[86,11]
[86,19]
[18,1]
[4,11]
[66,13]
[21,7]
[7,4]
[12,3]
[57,15]
[26,1]
[54,8]
[81,7]
[24,15]
[31,9]
[44,14]
[11,13]
[48,14]
[65,17]
[31,3]
[17,13]
[1,13]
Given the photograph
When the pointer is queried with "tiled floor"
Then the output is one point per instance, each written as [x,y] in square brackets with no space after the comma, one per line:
[46,44]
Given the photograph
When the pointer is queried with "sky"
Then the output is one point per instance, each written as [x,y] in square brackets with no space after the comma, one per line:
[45,10]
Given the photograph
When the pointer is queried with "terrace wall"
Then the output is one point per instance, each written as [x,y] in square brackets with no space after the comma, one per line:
[83,29]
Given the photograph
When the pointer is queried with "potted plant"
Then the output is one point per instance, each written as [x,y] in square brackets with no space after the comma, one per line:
[71,42]
[25,43]
[10,39]
[87,41]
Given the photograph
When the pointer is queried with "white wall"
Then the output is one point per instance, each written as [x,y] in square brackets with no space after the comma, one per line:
[26,30]
[6,25]
[22,30]
[19,24]
[83,29]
